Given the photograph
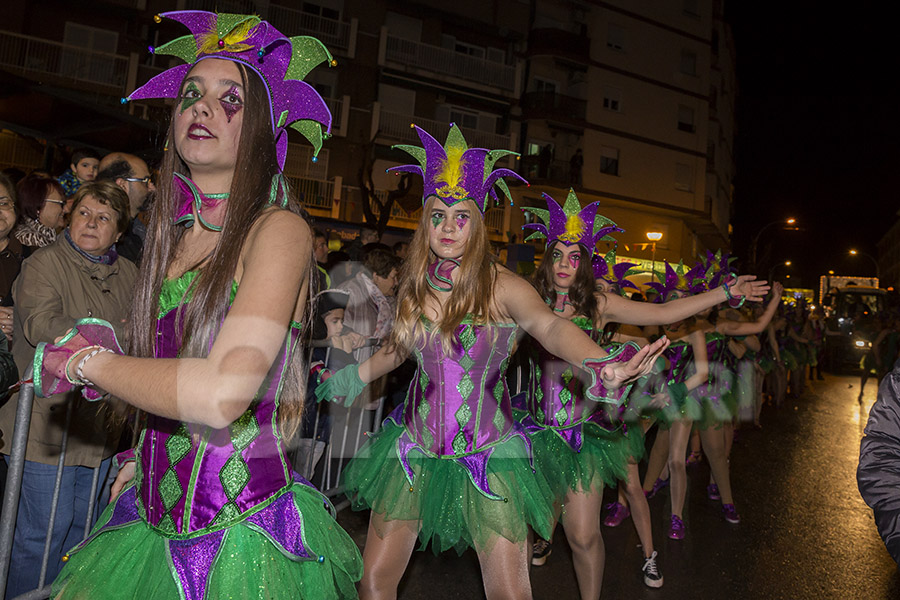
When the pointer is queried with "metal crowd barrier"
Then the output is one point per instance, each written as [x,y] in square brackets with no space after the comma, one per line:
[14,488]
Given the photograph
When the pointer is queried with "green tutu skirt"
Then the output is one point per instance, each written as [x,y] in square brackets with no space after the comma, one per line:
[448,509]
[602,460]
[790,360]
[133,561]
[714,414]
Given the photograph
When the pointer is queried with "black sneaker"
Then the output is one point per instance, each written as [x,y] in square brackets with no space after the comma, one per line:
[652,576]
[540,551]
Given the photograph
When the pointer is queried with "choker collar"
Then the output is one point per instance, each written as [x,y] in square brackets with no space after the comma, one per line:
[438,275]
[562,299]
[191,196]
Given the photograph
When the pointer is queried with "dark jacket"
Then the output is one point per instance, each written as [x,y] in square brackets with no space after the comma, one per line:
[878,474]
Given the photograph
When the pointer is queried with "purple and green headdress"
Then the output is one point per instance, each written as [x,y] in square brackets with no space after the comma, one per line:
[677,279]
[717,268]
[282,63]
[571,224]
[454,172]
[616,274]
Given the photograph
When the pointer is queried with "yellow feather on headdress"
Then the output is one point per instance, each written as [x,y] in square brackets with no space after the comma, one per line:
[574,229]
[231,41]
[451,174]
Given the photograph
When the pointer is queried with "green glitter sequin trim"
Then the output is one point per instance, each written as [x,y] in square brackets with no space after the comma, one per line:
[175,292]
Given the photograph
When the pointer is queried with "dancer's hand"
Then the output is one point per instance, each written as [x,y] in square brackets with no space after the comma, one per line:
[126,474]
[749,288]
[659,400]
[777,291]
[343,386]
[618,373]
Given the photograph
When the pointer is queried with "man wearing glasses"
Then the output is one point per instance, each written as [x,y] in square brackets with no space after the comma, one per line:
[131,174]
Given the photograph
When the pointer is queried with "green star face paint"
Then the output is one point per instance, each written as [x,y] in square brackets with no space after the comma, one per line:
[189,96]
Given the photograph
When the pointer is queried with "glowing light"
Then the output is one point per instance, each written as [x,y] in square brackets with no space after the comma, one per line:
[654,236]
[791,221]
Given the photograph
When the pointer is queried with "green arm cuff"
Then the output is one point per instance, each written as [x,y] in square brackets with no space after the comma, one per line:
[345,385]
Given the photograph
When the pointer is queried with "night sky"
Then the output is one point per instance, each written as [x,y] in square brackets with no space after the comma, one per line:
[817,132]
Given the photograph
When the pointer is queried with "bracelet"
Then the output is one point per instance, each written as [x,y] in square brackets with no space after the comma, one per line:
[732,301]
[80,379]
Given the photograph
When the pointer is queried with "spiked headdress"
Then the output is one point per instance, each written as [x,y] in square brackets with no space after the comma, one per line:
[615,273]
[677,279]
[454,172]
[280,61]
[571,224]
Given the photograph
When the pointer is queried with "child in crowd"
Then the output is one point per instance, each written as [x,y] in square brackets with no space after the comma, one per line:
[85,163]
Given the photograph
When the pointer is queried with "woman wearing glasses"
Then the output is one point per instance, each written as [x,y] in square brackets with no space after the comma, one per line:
[41,212]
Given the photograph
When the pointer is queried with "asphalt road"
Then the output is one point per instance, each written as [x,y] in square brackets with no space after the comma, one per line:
[805,531]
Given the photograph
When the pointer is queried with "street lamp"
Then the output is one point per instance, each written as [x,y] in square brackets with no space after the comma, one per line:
[789,224]
[653,236]
[870,257]
[786,263]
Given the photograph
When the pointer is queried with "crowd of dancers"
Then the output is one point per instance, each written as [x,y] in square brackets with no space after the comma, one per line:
[207,504]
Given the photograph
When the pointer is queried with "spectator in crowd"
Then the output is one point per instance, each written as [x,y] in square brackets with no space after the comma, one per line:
[369,311]
[75,277]
[339,267]
[42,203]
[85,163]
[130,173]
[401,249]
[10,253]
[320,252]
[357,247]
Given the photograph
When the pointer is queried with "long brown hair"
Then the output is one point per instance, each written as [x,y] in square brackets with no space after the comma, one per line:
[582,294]
[210,291]
[473,284]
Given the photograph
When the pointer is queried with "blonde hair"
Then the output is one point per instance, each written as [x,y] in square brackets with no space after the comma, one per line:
[473,284]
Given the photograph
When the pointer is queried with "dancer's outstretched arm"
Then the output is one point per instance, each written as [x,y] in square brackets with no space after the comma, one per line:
[753,327]
[616,309]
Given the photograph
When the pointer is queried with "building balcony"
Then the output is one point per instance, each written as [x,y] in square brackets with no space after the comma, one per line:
[442,62]
[396,128]
[336,35]
[102,74]
[552,105]
[556,172]
[559,42]
[316,195]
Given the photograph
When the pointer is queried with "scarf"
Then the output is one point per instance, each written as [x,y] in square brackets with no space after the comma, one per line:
[34,234]
[104,259]
[385,311]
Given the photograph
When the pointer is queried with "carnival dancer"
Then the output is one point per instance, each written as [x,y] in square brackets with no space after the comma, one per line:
[210,507]
[572,435]
[451,466]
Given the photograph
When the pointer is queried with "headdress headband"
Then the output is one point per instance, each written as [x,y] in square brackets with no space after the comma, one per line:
[571,224]
[282,63]
[676,279]
[454,172]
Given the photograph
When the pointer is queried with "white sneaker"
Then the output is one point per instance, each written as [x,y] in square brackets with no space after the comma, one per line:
[652,576]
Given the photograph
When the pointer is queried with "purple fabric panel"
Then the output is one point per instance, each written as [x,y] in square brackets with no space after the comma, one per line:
[476,465]
[166,339]
[572,436]
[209,495]
[124,512]
[192,560]
[404,446]
[284,524]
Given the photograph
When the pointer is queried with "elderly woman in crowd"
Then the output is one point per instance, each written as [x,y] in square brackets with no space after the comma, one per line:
[42,204]
[10,251]
[77,276]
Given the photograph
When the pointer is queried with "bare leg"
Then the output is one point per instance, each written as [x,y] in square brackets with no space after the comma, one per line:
[622,493]
[385,558]
[504,570]
[727,434]
[659,453]
[640,510]
[581,522]
[679,435]
[714,445]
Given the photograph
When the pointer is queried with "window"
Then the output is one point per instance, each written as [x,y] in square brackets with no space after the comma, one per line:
[685,118]
[609,160]
[545,85]
[464,118]
[321,11]
[684,177]
[90,67]
[615,37]
[612,99]
[688,62]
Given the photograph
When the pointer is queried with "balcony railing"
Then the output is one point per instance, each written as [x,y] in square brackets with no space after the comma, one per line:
[493,220]
[313,193]
[396,126]
[289,21]
[335,105]
[397,212]
[552,104]
[447,62]
[299,163]
[31,55]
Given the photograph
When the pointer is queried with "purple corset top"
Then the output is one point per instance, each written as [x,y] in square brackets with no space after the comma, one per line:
[193,478]
[458,402]
[555,395]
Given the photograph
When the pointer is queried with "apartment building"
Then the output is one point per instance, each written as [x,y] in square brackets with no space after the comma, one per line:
[643,93]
